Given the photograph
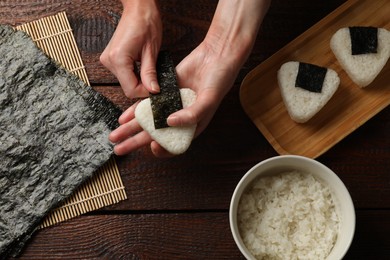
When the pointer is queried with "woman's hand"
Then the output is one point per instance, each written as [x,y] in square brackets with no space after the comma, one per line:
[136,39]
[210,70]
[129,136]
[197,71]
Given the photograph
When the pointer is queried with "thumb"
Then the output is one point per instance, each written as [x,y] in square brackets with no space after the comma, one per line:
[184,117]
[200,112]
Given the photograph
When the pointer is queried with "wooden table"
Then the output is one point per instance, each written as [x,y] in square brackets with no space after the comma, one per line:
[178,208]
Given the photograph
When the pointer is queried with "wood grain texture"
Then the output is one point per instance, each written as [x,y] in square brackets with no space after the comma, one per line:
[350,106]
[187,235]
[138,236]
[206,180]
[173,203]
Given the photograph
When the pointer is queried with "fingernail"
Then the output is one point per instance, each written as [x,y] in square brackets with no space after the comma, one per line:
[111,137]
[172,120]
[116,151]
[155,87]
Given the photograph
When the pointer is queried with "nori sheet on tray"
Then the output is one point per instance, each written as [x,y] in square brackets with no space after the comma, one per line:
[168,100]
[53,136]
[364,40]
[310,77]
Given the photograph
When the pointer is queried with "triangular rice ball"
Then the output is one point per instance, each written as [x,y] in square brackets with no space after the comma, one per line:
[303,104]
[175,140]
[361,68]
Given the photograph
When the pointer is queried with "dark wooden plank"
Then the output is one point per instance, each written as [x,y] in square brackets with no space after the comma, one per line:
[139,236]
[371,239]
[94,22]
[206,180]
[177,236]
[189,186]
[185,25]
[361,160]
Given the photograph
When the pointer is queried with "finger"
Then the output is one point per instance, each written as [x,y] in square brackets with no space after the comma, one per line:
[128,114]
[130,83]
[133,143]
[159,151]
[149,73]
[200,112]
[125,131]
[123,67]
[203,105]
[105,58]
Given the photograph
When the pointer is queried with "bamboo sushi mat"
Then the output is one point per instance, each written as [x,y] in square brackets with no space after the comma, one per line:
[54,36]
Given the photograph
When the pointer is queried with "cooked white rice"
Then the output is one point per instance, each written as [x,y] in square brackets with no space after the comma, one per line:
[288,216]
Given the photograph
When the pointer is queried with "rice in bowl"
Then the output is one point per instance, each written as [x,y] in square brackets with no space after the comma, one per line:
[290,215]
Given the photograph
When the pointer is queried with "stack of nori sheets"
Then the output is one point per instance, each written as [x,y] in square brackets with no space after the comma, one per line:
[53,136]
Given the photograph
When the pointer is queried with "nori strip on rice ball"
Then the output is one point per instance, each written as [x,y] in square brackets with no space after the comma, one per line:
[53,136]
[364,40]
[310,77]
[168,100]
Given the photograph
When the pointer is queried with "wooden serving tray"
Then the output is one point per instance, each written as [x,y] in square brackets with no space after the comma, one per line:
[350,106]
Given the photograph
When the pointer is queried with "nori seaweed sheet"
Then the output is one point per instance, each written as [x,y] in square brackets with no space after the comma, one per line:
[53,136]
[310,77]
[364,40]
[168,100]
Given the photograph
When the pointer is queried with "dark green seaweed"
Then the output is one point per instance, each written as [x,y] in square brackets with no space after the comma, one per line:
[168,100]
[53,136]
[364,40]
[310,77]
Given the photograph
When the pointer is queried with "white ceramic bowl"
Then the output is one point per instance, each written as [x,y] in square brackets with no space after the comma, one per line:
[274,165]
